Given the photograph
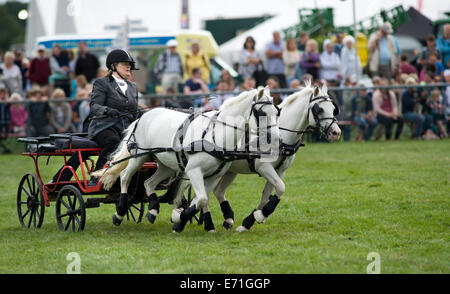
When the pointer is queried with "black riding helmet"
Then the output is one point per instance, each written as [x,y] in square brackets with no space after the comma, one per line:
[119,55]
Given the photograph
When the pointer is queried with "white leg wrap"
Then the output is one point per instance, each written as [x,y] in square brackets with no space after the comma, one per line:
[118,216]
[230,221]
[259,216]
[176,213]
[241,229]
[153,212]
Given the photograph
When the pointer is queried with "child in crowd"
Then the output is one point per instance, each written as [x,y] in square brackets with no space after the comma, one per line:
[19,116]
[435,102]
[4,119]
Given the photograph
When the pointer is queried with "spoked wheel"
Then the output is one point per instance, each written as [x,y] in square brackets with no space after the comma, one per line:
[70,209]
[30,201]
[135,211]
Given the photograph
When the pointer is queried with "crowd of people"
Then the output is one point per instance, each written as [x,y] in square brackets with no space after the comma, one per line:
[287,63]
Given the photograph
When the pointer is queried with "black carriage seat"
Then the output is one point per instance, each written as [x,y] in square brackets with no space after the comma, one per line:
[73,141]
[38,144]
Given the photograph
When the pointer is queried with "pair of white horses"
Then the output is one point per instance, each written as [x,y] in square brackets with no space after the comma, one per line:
[226,128]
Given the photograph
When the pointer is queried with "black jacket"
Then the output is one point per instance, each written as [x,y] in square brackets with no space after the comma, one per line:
[87,65]
[106,94]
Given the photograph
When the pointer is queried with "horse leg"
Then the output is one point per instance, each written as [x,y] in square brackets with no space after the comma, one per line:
[162,173]
[125,178]
[219,192]
[209,225]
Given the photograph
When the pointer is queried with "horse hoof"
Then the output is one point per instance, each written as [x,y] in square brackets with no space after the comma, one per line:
[241,229]
[259,216]
[177,228]
[211,231]
[151,216]
[228,223]
[176,215]
[116,221]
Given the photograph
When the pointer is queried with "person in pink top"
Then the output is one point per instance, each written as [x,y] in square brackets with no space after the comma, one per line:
[19,115]
[386,109]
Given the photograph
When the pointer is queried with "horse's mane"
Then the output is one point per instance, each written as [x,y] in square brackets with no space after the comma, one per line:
[234,100]
[291,98]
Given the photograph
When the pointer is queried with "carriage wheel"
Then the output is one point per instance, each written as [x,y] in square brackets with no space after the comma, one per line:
[135,211]
[70,209]
[30,201]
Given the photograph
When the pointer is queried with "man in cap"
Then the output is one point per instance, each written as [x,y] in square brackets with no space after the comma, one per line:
[383,52]
[39,70]
[169,68]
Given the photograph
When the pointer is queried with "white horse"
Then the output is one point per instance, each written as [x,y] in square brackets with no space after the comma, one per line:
[308,107]
[161,129]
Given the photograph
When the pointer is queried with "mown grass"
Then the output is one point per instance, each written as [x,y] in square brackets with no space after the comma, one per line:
[343,201]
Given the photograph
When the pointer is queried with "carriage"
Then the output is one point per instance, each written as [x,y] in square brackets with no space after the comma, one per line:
[75,196]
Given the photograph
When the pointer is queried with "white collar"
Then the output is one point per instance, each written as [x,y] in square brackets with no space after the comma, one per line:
[122,84]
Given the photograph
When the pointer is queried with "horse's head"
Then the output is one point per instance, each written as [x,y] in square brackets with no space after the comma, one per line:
[322,114]
[264,120]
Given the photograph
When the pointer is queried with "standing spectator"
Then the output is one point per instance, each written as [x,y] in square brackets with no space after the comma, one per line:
[274,54]
[12,76]
[310,61]
[350,61]
[431,47]
[409,108]
[5,119]
[304,37]
[197,59]
[250,61]
[345,105]
[291,59]
[38,114]
[386,110]
[84,91]
[23,65]
[443,44]
[330,62]
[59,66]
[39,70]
[382,53]
[337,47]
[169,67]
[61,113]
[447,98]
[437,107]
[86,64]
[362,114]
[19,116]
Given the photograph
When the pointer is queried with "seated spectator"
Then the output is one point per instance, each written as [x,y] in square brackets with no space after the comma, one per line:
[330,62]
[291,59]
[431,47]
[5,119]
[248,84]
[310,61]
[447,98]
[221,97]
[405,67]
[80,109]
[38,114]
[39,70]
[362,114]
[437,113]
[19,116]
[410,98]
[386,110]
[84,89]
[226,77]
[345,105]
[61,113]
[274,84]
[350,61]
[295,84]
[195,84]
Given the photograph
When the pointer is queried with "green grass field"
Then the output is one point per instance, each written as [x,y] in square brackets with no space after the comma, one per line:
[342,201]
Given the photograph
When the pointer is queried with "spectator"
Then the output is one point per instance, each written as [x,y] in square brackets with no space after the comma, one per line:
[405,67]
[84,89]
[339,44]
[295,84]
[248,84]
[274,54]
[386,110]
[61,113]
[443,44]
[80,109]
[19,116]
[59,66]
[362,114]
[310,61]
[169,67]
[330,62]
[249,59]
[5,119]
[409,109]
[431,47]
[72,61]
[221,97]
[227,78]
[23,64]
[86,64]
[274,84]
[12,76]
[195,84]
[291,59]
[447,98]
[437,113]
[345,105]
[38,114]
[304,37]
[382,53]
[197,59]
[350,61]
[39,71]
[433,60]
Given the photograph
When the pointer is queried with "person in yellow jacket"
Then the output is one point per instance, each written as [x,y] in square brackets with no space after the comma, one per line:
[196,59]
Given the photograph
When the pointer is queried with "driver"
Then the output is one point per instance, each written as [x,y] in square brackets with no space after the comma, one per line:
[114,105]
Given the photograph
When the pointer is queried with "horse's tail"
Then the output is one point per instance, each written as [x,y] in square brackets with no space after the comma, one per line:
[109,175]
